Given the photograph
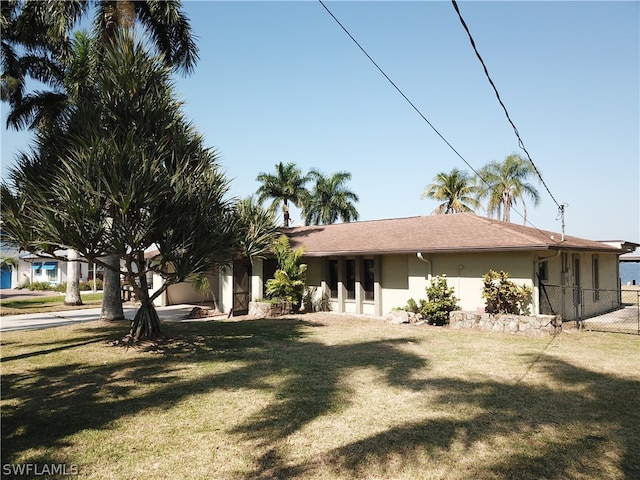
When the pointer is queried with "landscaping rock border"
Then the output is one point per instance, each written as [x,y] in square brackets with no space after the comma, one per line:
[531,325]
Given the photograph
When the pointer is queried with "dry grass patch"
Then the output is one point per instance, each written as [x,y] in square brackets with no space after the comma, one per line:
[322,397]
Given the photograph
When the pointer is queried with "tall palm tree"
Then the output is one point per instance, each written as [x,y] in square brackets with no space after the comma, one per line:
[41,30]
[505,183]
[330,200]
[455,190]
[286,185]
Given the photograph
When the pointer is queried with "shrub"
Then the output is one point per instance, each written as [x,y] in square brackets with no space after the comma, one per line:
[440,301]
[289,280]
[412,306]
[40,286]
[504,296]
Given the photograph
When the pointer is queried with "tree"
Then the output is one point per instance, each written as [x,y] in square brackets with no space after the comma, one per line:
[454,190]
[134,175]
[41,31]
[35,44]
[505,183]
[257,227]
[290,277]
[330,200]
[286,185]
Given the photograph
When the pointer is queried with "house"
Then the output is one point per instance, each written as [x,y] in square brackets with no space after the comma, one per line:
[371,267]
[31,268]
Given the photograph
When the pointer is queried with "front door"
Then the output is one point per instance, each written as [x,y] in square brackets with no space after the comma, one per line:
[5,278]
[241,287]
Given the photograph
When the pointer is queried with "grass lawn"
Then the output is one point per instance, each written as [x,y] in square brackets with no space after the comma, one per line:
[53,303]
[322,396]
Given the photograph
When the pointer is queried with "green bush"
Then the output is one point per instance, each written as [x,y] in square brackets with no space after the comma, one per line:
[289,280]
[99,284]
[440,301]
[41,286]
[504,296]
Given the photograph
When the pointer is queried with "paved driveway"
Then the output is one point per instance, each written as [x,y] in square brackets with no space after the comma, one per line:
[32,321]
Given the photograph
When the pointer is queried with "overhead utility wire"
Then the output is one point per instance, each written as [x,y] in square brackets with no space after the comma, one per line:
[506,112]
[418,111]
[395,86]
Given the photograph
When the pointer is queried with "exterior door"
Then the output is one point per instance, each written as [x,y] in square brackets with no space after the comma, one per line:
[241,287]
[5,277]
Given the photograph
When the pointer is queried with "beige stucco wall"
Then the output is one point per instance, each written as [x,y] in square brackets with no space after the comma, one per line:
[407,276]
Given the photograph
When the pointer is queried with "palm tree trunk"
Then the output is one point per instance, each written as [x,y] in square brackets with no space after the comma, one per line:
[285,210]
[73,279]
[111,300]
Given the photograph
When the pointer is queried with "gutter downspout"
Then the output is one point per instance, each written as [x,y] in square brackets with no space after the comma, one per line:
[421,257]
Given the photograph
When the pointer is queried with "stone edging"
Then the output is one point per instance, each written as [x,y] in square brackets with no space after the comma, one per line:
[532,325]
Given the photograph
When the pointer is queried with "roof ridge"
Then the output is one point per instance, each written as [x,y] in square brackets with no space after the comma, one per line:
[515,229]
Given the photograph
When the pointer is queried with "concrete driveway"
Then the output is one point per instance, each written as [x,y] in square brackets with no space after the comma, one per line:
[32,321]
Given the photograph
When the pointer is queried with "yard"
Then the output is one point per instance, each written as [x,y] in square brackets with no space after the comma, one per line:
[321,396]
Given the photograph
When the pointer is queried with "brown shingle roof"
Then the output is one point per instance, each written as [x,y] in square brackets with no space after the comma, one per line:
[436,233]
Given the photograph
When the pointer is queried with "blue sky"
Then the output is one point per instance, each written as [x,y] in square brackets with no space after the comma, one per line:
[280,81]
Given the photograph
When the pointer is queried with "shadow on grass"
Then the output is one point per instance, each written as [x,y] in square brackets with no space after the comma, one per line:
[596,410]
[46,404]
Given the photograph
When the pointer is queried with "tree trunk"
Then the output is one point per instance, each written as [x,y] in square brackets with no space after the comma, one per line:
[146,323]
[111,299]
[73,279]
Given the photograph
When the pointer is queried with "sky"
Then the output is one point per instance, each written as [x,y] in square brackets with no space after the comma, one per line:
[282,82]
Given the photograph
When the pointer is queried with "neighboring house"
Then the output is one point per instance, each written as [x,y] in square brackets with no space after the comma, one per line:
[371,267]
[31,268]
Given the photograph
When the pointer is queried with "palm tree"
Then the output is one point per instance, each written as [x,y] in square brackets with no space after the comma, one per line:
[286,185]
[505,183]
[42,29]
[258,229]
[330,200]
[454,190]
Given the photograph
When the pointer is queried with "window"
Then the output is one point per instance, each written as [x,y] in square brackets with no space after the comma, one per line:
[368,279]
[333,278]
[351,279]
[543,273]
[97,270]
[596,278]
[51,268]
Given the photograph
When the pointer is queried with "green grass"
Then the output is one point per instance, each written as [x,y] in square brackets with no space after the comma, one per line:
[322,396]
[47,304]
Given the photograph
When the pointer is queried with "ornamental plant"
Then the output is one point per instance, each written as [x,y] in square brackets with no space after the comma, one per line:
[504,296]
[289,280]
[440,301]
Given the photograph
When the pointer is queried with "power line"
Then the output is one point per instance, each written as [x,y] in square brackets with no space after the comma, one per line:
[506,112]
[420,113]
[396,87]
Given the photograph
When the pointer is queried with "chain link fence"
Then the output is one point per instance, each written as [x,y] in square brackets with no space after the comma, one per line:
[593,309]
